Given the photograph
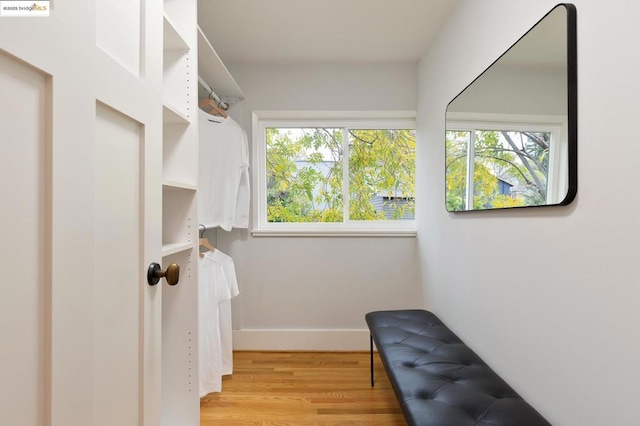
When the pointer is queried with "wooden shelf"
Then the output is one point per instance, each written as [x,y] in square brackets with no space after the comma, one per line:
[172,38]
[214,72]
[173,248]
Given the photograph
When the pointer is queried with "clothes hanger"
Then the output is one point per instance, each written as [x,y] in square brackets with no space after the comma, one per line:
[215,108]
[204,241]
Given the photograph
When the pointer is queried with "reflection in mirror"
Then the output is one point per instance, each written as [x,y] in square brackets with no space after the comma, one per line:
[511,134]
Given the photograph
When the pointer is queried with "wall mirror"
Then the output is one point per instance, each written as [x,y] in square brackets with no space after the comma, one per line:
[511,135]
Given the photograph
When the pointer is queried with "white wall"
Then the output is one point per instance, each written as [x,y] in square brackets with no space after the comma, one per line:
[312,293]
[548,297]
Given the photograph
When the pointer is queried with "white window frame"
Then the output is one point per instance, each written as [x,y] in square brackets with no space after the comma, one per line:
[351,119]
[558,172]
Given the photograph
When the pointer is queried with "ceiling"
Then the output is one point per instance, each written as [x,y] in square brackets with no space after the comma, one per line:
[294,31]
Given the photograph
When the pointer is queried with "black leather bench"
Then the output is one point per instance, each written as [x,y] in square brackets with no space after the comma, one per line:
[437,379]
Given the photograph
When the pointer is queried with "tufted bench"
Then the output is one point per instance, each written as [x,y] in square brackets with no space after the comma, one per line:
[437,379]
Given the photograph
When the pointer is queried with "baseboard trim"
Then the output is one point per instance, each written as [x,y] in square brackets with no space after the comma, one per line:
[301,340]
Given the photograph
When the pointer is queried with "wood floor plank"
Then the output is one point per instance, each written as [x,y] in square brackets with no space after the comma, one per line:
[302,388]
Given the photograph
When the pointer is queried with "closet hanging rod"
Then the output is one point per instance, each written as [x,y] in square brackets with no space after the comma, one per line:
[212,94]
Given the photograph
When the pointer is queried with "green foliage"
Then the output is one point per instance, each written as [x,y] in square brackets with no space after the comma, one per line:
[501,201]
[381,162]
[520,158]
[456,170]
[305,174]
[291,190]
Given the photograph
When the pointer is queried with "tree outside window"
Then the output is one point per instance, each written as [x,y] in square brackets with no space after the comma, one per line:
[339,174]
[510,168]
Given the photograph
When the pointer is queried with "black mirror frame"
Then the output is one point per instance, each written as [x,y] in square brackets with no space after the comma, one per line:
[572,108]
[572,101]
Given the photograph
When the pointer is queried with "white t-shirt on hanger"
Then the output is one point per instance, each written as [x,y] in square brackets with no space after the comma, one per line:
[223,185]
[226,330]
[213,289]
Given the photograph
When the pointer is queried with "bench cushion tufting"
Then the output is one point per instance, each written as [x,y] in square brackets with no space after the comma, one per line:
[437,379]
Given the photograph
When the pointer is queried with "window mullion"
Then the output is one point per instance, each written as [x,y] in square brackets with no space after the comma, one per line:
[471,155]
[261,151]
[345,173]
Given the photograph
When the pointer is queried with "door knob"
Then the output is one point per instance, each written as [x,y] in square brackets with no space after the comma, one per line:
[155,272]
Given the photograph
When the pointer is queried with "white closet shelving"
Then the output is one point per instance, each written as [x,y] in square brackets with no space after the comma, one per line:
[187,54]
[173,116]
[172,38]
[180,401]
[215,73]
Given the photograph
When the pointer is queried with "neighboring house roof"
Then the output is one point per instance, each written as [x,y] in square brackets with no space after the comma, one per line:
[505,181]
[381,203]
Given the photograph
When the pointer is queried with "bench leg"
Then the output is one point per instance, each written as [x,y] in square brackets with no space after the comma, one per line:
[371,353]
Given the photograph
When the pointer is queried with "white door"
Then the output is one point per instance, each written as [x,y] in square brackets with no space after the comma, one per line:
[80,214]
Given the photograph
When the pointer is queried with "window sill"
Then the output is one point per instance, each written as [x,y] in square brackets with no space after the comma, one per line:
[333,233]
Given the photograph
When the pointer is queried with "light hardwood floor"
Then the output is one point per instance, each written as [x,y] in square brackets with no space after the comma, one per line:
[302,388]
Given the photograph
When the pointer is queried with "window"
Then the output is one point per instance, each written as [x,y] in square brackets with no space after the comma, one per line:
[351,175]
[501,164]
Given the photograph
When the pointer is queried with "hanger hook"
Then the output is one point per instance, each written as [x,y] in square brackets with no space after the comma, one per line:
[218,102]
[202,229]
